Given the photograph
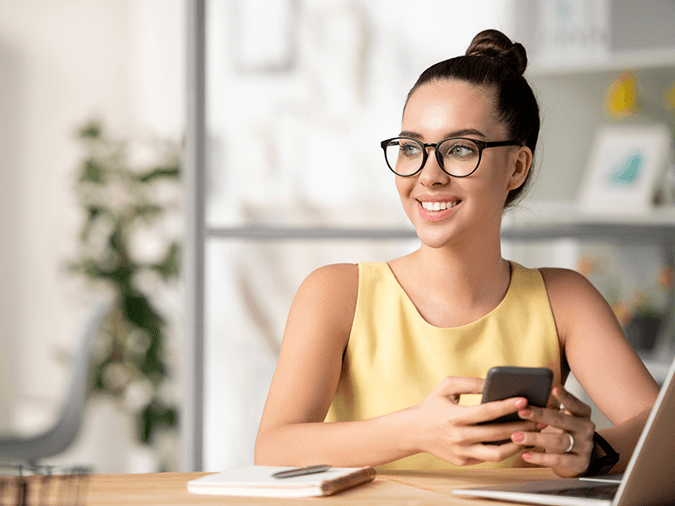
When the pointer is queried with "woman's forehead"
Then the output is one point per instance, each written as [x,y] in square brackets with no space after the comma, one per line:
[452,105]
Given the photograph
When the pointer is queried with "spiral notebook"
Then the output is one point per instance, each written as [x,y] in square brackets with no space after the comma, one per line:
[257,481]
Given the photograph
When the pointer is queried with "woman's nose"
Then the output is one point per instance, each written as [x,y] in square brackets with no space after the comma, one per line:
[431,173]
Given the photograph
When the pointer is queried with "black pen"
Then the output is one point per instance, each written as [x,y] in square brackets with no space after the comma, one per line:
[299,471]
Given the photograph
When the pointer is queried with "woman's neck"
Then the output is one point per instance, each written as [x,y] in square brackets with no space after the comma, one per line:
[470,274]
[453,286]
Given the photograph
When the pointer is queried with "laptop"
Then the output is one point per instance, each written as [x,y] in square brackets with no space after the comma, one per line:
[649,479]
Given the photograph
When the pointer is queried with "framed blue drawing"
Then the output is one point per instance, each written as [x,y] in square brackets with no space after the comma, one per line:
[625,167]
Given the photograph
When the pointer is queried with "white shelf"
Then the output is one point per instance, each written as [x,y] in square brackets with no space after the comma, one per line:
[535,221]
[546,221]
[616,62]
[564,212]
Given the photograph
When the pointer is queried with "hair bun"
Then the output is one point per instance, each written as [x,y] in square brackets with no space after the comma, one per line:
[495,44]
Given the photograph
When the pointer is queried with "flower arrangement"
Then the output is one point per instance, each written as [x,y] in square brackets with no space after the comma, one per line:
[122,249]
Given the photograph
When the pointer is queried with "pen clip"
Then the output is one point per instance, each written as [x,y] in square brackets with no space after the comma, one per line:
[299,471]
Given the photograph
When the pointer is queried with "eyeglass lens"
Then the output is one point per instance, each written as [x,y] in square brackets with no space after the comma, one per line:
[406,156]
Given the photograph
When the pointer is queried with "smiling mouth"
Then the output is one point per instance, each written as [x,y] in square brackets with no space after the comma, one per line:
[438,206]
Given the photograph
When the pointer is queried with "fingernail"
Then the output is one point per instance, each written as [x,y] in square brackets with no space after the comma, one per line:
[527,456]
[520,403]
[557,390]
[524,413]
[541,426]
[517,437]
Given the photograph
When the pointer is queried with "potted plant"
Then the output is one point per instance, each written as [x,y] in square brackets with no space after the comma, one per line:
[648,308]
[642,313]
[123,198]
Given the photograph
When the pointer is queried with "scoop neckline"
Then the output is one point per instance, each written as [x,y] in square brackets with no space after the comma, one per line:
[514,268]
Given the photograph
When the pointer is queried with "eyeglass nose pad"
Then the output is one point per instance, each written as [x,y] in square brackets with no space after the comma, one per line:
[437,158]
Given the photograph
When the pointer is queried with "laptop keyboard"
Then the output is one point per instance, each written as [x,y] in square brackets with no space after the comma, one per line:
[605,491]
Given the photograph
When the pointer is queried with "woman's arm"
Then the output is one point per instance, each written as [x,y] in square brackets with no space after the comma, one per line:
[607,368]
[292,431]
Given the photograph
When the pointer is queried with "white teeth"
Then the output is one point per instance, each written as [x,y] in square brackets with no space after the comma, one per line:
[438,206]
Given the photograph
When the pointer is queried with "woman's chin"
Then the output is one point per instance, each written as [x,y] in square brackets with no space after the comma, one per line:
[436,238]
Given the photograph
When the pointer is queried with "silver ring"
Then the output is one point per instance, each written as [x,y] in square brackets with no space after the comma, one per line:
[571,447]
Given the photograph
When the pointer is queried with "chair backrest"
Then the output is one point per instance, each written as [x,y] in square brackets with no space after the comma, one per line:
[59,436]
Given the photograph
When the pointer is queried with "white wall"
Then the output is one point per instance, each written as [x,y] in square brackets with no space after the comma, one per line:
[60,64]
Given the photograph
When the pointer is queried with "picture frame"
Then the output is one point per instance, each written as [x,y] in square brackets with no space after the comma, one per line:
[625,168]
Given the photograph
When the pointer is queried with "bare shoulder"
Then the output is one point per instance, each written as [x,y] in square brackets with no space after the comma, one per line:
[574,301]
[570,290]
[330,281]
[566,283]
[329,294]
[342,274]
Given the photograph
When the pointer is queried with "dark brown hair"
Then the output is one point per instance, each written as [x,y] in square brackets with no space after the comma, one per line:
[492,60]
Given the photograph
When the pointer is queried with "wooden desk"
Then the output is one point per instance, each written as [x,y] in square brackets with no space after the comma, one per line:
[396,488]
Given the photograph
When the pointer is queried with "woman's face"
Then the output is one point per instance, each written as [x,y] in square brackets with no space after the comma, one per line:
[470,205]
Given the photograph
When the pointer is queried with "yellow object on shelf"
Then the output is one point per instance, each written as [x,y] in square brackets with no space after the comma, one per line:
[621,100]
[669,98]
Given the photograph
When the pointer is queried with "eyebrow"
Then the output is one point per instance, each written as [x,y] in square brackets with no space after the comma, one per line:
[456,133]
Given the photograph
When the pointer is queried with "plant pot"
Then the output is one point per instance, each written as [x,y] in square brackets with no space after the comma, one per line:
[642,332]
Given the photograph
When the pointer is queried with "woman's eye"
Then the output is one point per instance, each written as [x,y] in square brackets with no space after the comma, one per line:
[409,149]
[460,151]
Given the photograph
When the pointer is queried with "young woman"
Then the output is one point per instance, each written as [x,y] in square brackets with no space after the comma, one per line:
[383,363]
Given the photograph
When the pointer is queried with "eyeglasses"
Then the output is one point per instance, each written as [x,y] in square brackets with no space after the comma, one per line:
[457,156]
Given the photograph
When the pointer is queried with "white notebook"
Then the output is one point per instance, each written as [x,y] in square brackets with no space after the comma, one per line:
[257,481]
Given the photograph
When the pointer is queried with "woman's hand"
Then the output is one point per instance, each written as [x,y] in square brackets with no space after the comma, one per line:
[450,431]
[565,442]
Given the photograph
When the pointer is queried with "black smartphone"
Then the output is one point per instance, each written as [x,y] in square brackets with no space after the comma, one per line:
[533,383]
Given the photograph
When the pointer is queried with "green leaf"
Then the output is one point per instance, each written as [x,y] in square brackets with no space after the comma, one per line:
[91,130]
[154,416]
[169,266]
[138,311]
[146,425]
[147,210]
[93,212]
[160,172]
[120,276]
[92,172]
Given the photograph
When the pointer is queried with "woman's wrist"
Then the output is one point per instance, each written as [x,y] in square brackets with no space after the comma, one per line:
[603,457]
[410,430]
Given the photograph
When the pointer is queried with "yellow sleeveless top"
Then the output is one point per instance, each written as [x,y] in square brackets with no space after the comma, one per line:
[394,358]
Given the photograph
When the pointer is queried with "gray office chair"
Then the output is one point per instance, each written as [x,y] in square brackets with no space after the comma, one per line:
[60,435]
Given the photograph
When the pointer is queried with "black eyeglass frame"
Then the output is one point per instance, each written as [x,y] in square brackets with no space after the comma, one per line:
[481,146]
